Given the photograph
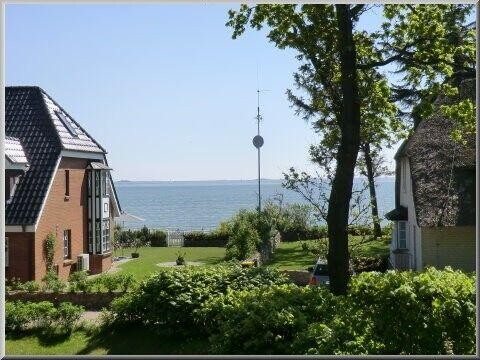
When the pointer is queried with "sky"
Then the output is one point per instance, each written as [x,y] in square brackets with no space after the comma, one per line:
[163,87]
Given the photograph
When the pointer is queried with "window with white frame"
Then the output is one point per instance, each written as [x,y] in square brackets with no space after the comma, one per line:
[7,262]
[402,235]
[67,244]
[106,235]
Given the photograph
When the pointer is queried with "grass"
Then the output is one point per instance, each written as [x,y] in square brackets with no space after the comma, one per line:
[127,341]
[146,264]
[291,256]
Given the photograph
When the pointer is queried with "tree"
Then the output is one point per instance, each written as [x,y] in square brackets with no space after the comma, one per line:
[340,68]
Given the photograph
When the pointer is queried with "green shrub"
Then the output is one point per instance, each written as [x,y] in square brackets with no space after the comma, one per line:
[157,238]
[67,315]
[243,242]
[369,263]
[78,282]
[172,298]
[20,316]
[418,313]
[264,320]
[53,283]
[218,238]
[432,312]
[249,230]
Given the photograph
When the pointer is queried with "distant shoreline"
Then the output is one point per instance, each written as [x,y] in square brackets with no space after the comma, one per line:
[392,178]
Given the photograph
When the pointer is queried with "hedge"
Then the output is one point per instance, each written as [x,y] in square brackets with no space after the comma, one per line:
[432,312]
[201,239]
[172,298]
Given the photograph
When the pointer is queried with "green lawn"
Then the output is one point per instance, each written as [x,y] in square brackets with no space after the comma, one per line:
[146,264]
[291,256]
[128,341]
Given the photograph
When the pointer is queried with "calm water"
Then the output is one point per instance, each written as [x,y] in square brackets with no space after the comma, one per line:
[204,204]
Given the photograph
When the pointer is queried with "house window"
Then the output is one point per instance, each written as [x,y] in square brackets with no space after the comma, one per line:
[7,262]
[98,242]
[104,183]
[67,244]
[67,182]
[90,236]
[402,235]
[106,235]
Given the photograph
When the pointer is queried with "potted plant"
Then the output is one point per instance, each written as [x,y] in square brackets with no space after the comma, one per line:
[181,258]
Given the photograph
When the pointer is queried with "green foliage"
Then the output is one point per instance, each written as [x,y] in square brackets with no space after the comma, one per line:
[142,237]
[52,282]
[463,116]
[20,316]
[249,230]
[369,263]
[432,312]
[172,298]
[16,284]
[158,238]
[264,320]
[217,238]
[113,282]
[78,282]
[49,250]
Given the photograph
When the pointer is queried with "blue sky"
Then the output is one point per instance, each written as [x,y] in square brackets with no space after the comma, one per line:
[163,87]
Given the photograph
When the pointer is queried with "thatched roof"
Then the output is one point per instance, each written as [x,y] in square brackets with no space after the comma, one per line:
[442,170]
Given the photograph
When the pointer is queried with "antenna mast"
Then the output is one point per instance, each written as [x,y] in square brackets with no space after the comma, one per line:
[258,142]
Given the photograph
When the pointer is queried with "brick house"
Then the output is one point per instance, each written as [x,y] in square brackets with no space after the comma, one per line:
[434,218]
[53,170]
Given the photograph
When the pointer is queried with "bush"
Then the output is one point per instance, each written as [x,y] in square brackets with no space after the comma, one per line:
[53,283]
[113,282]
[20,316]
[249,231]
[172,298]
[78,282]
[215,238]
[370,263]
[432,312]
[418,313]
[264,320]
[157,238]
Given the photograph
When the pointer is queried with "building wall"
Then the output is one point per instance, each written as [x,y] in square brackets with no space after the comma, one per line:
[413,230]
[449,246]
[62,213]
[20,254]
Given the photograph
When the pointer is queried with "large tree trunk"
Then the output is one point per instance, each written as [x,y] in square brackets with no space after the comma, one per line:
[377,230]
[341,191]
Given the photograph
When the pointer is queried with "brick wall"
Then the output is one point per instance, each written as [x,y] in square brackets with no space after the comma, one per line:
[20,253]
[63,213]
[449,246]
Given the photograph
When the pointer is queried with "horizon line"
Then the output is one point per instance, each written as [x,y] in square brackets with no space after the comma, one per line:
[205,180]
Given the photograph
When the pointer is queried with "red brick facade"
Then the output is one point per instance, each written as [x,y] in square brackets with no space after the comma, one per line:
[60,213]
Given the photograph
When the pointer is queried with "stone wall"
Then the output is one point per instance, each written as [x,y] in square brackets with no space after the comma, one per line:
[91,301]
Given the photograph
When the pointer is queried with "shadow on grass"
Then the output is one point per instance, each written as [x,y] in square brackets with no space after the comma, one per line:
[138,340]
[47,338]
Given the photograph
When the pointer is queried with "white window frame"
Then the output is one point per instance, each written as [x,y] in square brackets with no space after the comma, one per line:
[7,257]
[400,231]
[67,244]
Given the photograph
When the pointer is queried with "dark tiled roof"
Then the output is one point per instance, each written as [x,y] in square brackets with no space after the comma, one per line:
[442,170]
[28,117]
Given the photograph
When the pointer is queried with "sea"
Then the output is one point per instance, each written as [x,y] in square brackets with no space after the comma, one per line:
[202,205]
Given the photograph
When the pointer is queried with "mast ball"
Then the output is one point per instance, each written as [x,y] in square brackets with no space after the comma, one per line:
[258,141]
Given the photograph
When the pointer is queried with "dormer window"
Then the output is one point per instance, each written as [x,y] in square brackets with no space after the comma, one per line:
[66,123]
